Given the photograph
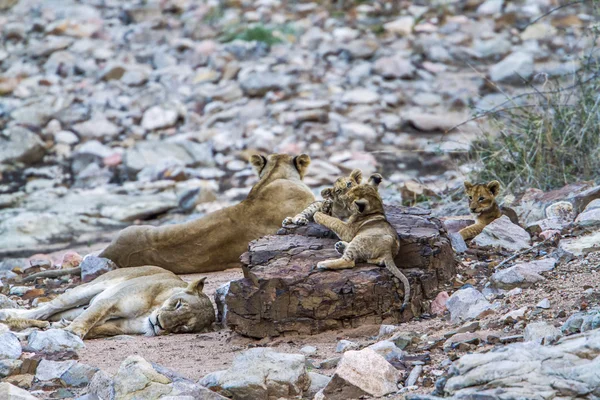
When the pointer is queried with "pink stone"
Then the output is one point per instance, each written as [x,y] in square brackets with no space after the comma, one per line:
[113,160]
[71,259]
[549,234]
[438,306]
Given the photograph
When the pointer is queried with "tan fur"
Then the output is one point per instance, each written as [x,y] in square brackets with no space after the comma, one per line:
[142,300]
[367,236]
[482,203]
[332,204]
[216,241]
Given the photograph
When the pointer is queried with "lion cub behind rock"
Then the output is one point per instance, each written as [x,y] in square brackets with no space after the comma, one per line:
[333,203]
[482,202]
[367,236]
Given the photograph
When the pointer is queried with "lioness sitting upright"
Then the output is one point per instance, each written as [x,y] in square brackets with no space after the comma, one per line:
[216,241]
[367,236]
[482,203]
[333,203]
[143,300]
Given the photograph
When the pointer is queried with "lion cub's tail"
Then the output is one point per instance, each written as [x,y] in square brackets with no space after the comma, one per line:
[391,266]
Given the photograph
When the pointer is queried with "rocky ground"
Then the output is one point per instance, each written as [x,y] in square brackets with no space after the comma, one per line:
[119,112]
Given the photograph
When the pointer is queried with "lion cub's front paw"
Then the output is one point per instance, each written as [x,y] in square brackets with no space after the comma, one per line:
[340,247]
[287,221]
[326,207]
[301,220]
[322,266]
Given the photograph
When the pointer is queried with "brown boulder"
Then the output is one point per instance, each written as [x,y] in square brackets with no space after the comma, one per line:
[282,294]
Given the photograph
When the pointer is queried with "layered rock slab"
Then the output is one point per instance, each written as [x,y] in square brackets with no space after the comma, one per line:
[282,293]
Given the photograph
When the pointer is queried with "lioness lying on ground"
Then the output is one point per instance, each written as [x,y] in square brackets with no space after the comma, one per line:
[333,201]
[142,300]
[216,241]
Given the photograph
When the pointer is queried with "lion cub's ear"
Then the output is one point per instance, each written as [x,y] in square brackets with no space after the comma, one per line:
[196,287]
[327,193]
[356,175]
[361,204]
[494,187]
[375,180]
[259,162]
[468,185]
[301,163]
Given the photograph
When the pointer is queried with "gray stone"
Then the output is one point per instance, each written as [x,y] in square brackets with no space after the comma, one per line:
[259,83]
[10,367]
[526,370]
[395,67]
[360,96]
[35,114]
[490,7]
[102,386]
[149,153]
[414,375]
[458,243]
[544,303]
[159,118]
[356,130]
[582,322]
[581,246]
[345,345]
[523,274]
[49,370]
[402,26]
[5,302]
[308,350]
[54,341]
[92,267]
[220,294]
[262,373]
[466,304]
[18,144]
[97,128]
[513,69]
[388,350]
[361,373]
[503,233]
[12,392]
[79,375]
[10,347]
[317,382]
[136,378]
[542,333]
[329,363]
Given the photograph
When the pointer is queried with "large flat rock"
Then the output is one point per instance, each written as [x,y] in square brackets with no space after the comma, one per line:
[281,293]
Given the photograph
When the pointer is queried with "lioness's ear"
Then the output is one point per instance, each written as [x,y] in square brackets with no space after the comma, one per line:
[494,187]
[375,180]
[258,161]
[468,185]
[301,163]
[356,175]
[196,287]
[362,205]
[327,193]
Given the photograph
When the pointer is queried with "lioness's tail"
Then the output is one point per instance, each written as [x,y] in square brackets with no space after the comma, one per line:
[391,266]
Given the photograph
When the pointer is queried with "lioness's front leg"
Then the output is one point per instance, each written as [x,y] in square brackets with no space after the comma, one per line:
[338,226]
[97,313]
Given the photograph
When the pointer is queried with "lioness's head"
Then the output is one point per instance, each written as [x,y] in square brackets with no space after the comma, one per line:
[187,310]
[364,199]
[282,164]
[343,185]
[482,196]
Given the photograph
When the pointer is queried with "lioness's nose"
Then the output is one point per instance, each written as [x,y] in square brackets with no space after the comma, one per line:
[473,209]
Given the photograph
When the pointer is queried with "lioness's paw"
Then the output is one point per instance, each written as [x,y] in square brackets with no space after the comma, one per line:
[76,330]
[340,247]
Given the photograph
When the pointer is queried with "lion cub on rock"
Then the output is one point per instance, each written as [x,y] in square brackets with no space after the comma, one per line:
[142,300]
[367,236]
[216,241]
[333,203]
[482,202]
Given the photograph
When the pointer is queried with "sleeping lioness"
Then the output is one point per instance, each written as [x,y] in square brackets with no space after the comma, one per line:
[216,241]
[142,300]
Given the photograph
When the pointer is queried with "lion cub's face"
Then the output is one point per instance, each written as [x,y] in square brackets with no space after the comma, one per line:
[188,310]
[482,196]
[364,199]
[342,185]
